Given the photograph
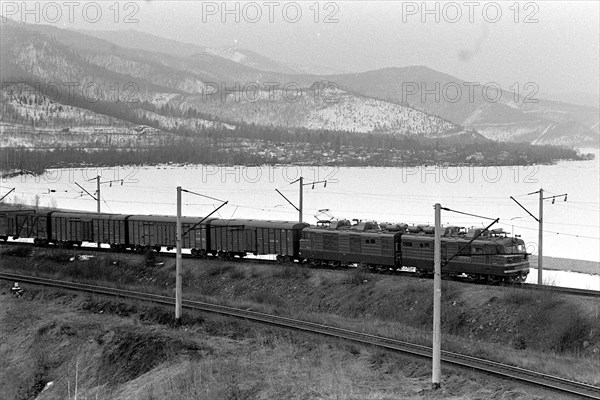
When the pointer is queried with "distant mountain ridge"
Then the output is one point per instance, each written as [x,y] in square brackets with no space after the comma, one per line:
[133,39]
[148,42]
[200,83]
[233,85]
[543,121]
[575,98]
[497,116]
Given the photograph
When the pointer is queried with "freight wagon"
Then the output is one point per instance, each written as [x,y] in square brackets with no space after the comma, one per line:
[16,222]
[238,237]
[155,232]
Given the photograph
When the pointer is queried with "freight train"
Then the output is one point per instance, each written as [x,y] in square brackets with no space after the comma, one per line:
[474,253]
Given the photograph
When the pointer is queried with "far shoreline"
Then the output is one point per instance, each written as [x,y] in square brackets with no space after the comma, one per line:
[568,264]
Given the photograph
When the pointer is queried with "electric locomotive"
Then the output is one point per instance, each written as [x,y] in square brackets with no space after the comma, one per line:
[473,253]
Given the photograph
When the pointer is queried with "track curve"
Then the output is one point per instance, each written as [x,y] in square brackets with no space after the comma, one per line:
[556,383]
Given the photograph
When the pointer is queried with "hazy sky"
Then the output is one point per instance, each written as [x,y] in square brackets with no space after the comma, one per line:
[554,44]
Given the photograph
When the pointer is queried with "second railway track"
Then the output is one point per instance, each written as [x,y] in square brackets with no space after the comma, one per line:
[503,370]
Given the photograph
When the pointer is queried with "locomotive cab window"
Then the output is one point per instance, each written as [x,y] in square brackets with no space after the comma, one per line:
[407,244]
[477,250]
[514,249]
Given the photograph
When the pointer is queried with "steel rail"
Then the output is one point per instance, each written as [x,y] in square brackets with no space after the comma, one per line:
[503,370]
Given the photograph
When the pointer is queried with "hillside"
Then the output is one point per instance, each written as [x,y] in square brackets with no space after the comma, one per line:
[524,117]
[123,350]
[185,103]
[499,116]
[58,346]
[32,119]
[97,75]
[144,41]
[318,107]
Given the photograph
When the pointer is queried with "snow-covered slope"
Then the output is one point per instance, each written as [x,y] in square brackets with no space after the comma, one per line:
[320,108]
[149,88]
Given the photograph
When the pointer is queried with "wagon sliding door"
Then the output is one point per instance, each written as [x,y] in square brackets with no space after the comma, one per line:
[148,233]
[250,240]
[80,230]
[238,240]
[264,238]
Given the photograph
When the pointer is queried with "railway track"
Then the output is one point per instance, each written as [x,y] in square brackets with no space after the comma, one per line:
[532,286]
[507,371]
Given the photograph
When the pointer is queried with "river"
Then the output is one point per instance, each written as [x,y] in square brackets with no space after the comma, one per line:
[571,228]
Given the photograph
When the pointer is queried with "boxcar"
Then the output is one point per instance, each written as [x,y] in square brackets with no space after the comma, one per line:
[110,229]
[154,231]
[24,223]
[71,228]
[242,236]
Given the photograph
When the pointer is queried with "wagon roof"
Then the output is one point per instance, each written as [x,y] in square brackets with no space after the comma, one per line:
[87,215]
[46,210]
[255,223]
[167,218]
[15,210]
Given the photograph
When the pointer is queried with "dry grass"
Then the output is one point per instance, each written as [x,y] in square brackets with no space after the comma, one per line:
[192,363]
[524,328]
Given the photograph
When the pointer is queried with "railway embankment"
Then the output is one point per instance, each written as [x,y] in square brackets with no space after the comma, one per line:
[55,347]
[553,333]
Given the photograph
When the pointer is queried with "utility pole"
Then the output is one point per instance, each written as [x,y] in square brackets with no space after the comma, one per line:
[437,301]
[541,238]
[178,242]
[178,262]
[301,195]
[301,199]
[436,372]
[98,196]
[540,226]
